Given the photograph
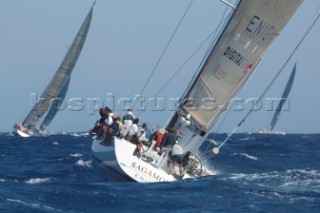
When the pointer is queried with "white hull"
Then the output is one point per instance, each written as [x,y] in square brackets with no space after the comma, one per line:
[138,169]
[104,160]
[23,134]
[22,131]
[116,162]
[267,131]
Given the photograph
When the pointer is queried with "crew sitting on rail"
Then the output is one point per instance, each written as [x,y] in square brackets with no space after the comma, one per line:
[113,129]
[100,124]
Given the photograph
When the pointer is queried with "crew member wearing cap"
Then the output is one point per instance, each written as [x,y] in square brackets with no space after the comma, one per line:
[157,136]
[176,155]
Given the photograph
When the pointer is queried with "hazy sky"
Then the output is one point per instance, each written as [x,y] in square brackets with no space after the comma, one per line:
[124,43]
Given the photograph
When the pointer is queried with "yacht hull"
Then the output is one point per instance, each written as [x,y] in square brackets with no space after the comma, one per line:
[23,134]
[116,162]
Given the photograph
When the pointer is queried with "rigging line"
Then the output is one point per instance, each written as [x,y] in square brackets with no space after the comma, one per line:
[316,12]
[193,53]
[229,106]
[165,49]
[216,150]
[223,19]
[228,111]
[221,123]
[218,129]
[197,73]
[214,38]
[229,4]
[182,66]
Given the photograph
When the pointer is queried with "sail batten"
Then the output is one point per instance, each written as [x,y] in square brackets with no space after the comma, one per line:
[58,86]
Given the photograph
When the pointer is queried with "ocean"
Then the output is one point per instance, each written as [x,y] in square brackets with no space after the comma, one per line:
[254,173]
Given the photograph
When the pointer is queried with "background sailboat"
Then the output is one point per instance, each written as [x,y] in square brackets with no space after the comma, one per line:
[46,108]
[281,103]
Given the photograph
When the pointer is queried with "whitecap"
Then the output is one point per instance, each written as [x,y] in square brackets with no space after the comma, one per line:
[237,176]
[2,180]
[38,180]
[247,156]
[300,178]
[84,163]
[55,143]
[246,139]
[34,205]
[214,142]
[75,135]
[85,134]
[76,155]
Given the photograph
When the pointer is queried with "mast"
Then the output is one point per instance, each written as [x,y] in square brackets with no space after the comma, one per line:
[283,98]
[60,81]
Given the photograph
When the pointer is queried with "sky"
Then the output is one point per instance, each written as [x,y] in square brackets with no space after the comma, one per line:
[124,44]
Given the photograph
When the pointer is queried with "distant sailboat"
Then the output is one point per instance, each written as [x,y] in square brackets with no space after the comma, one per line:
[44,110]
[247,35]
[279,108]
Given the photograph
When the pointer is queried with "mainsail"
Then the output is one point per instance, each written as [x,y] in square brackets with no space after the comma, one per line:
[46,108]
[283,99]
[251,29]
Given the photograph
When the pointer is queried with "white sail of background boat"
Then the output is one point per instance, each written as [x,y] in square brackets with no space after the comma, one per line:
[283,99]
[46,108]
[248,33]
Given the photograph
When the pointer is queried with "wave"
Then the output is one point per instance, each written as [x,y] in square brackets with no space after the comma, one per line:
[55,143]
[47,134]
[38,180]
[79,134]
[84,163]
[246,155]
[302,178]
[75,134]
[246,139]
[34,205]
[76,155]
[213,142]
[296,179]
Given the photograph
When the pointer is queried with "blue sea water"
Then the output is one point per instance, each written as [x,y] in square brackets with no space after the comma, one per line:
[254,173]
